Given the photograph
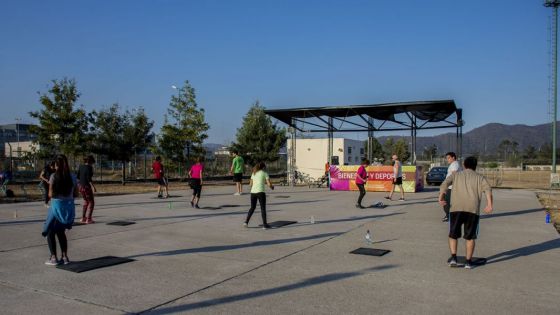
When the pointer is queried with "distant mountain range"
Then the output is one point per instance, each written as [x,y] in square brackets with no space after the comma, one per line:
[486,139]
[482,140]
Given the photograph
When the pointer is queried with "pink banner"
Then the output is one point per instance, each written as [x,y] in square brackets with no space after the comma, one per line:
[380,178]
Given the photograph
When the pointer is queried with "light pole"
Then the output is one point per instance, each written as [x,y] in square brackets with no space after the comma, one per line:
[554,5]
[17,134]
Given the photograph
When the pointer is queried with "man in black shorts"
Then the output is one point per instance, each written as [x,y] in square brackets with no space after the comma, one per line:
[468,189]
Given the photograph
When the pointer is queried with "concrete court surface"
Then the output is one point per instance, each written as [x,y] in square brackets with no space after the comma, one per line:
[202,261]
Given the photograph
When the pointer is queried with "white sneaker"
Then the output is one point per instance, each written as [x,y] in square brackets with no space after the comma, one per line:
[236,194]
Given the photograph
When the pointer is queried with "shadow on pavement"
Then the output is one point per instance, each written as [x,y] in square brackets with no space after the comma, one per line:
[510,213]
[219,248]
[524,251]
[251,295]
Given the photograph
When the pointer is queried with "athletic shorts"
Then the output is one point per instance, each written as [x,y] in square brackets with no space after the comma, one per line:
[398,181]
[237,177]
[467,220]
[161,181]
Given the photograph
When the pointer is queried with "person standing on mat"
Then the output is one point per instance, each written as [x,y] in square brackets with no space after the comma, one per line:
[468,189]
[195,173]
[60,217]
[258,180]
[397,178]
[236,169]
[453,167]
[45,176]
[361,180]
[87,188]
[159,174]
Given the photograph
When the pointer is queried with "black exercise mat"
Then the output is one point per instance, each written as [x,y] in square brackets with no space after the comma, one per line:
[121,223]
[230,206]
[281,196]
[370,251]
[163,198]
[378,206]
[277,224]
[95,263]
[211,208]
[477,261]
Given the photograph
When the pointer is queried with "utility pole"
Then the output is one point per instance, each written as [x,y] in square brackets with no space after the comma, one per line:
[554,5]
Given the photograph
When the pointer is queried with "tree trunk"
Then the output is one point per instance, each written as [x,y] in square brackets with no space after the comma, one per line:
[123,172]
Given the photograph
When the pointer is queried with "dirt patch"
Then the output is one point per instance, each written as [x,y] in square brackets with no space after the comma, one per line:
[551,203]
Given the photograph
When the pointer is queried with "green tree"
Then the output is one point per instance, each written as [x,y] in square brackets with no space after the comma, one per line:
[376,149]
[184,127]
[430,152]
[388,149]
[61,125]
[530,153]
[118,135]
[400,148]
[259,139]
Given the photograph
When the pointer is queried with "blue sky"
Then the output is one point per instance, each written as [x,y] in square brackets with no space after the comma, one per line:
[491,57]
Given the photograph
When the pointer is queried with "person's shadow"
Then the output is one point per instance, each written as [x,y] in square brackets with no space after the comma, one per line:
[524,251]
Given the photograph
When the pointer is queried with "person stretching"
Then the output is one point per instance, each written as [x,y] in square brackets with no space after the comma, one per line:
[258,180]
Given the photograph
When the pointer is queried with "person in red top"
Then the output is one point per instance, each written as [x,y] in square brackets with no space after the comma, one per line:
[159,175]
[361,180]
[195,173]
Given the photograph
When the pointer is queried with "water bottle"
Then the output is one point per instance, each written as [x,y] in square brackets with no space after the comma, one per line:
[312,220]
[368,238]
[547,217]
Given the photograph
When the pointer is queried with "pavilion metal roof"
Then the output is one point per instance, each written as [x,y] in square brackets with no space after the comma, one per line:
[375,117]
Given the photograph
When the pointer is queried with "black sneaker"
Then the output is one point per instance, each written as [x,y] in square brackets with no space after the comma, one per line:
[266,227]
[452,262]
[360,206]
[468,265]
[445,219]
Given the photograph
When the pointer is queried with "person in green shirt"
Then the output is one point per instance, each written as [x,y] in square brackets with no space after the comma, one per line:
[258,180]
[237,171]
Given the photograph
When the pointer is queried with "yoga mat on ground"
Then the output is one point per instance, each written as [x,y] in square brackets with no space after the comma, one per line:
[121,223]
[370,251]
[277,224]
[95,263]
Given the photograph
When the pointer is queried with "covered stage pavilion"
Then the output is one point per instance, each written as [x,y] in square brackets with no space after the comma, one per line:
[386,117]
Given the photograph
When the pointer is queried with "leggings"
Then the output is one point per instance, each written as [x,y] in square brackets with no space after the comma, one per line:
[61,239]
[262,201]
[46,192]
[196,187]
[362,193]
[89,201]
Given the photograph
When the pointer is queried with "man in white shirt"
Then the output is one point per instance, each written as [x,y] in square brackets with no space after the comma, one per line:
[453,167]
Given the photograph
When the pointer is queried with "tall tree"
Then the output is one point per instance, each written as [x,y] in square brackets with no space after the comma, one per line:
[400,148]
[430,152]
[184,128]
[376,149]
[259,139]
[62,126]
[120,135]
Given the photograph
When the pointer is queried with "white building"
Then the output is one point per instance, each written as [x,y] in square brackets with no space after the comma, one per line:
[18,149]
[311,154]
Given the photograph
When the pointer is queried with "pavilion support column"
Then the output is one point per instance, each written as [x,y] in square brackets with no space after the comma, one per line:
[370,140]
[292,156]
[330,136]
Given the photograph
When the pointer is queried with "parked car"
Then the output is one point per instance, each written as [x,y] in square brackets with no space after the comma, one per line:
[436,175]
